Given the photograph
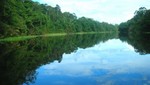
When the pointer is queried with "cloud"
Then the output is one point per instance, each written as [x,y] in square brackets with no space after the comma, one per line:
[112,11]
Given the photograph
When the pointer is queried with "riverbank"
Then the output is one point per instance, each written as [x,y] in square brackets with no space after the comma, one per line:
[19,38]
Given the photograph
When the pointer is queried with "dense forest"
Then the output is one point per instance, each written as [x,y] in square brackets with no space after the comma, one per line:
[25,17]
[136,31]
[19,59]
[139,24]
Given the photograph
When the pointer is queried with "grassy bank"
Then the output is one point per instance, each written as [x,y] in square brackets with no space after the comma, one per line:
[20,38]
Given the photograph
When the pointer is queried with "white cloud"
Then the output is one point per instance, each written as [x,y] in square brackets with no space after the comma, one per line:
[112,11]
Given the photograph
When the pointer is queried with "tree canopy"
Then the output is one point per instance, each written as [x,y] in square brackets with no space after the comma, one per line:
[25,17]
[140,23]
[136,31]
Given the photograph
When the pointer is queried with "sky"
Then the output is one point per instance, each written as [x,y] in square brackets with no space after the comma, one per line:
[111,11]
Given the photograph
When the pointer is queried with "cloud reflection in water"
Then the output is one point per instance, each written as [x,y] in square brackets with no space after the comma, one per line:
[112,62]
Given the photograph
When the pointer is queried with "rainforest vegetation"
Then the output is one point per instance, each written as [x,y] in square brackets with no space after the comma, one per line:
[19,59]
[136,31]
[139,24]
[25,17]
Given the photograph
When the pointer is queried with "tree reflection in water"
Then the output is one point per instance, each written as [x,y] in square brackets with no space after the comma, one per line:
[19,60]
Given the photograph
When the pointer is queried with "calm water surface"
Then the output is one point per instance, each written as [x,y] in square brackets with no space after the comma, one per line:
[110,63]
[74,60]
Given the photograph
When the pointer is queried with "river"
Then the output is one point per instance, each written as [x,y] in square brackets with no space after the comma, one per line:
[100,59]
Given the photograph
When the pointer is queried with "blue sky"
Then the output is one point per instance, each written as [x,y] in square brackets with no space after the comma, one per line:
[111,11]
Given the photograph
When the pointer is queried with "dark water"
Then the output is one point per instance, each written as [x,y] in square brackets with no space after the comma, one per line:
[75,60]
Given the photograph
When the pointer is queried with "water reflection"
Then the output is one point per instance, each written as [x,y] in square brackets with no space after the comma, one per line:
[140,42]
[110,63]
[74,60]
[19,60]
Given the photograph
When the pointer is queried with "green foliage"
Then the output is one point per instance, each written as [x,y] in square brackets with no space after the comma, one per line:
[139,24]
[25,17]
[136,31]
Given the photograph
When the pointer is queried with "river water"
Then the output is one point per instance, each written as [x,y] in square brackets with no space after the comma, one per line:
[73,60]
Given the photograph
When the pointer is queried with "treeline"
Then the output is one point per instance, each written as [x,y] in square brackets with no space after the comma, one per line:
[139,24]
[136,31]
[25,17]
[19,60]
